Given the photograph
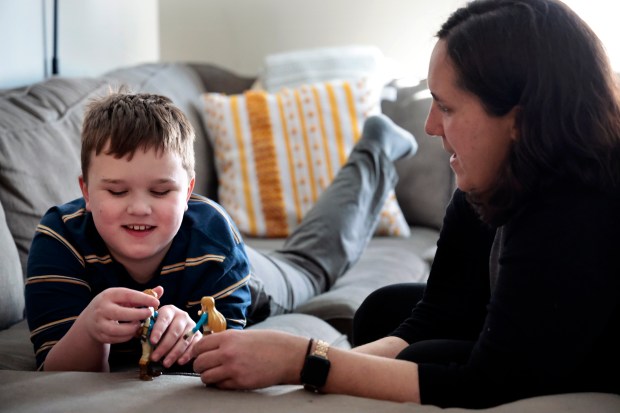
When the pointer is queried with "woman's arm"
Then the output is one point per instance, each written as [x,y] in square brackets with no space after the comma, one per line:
[385,347]
[261,358]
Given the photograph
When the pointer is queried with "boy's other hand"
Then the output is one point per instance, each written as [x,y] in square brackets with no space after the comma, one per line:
[167,336]
[115,314]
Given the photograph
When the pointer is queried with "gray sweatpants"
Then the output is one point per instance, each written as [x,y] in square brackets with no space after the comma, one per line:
[330,238]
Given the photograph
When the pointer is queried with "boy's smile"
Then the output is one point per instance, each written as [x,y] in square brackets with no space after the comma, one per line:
[137,206]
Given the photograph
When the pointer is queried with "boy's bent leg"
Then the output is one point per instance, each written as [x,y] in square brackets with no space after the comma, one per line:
[335,232]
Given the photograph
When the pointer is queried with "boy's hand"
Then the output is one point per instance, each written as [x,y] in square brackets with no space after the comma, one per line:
[167,336]
[115,314]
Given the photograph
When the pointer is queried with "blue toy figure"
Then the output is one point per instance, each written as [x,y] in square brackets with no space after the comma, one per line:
[214,320]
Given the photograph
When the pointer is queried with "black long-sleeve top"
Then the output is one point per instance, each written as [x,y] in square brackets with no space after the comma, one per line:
[551,321]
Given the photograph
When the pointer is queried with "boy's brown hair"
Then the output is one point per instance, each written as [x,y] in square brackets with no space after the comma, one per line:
[136,121]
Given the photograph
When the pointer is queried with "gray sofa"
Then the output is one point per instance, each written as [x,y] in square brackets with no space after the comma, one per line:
[39,166]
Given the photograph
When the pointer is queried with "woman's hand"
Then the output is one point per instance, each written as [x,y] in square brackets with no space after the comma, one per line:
[249,359]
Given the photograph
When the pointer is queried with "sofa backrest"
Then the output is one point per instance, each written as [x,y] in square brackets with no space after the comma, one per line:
[40,151]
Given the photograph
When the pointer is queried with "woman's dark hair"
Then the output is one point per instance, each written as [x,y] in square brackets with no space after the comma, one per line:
[540,57]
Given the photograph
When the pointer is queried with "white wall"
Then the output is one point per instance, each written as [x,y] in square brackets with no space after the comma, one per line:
[602,17]
[21,42]
[237,34]
[94,36]
[99,35]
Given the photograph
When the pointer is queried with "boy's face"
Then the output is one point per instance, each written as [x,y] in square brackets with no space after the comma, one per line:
[137,206]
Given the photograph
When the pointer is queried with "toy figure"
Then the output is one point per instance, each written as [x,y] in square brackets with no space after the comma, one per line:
[209,314]
[146,370]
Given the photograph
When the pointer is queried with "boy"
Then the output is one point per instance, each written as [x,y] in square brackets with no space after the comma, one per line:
[137,226]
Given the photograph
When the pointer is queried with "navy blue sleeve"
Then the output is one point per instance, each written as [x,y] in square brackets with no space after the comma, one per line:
[56,291]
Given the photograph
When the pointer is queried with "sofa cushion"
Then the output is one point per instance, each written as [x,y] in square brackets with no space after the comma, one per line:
[11,279]
[60,392]
[276,152]
[16,351]
[306,326]
[394,264]
[40,151]
[426,180]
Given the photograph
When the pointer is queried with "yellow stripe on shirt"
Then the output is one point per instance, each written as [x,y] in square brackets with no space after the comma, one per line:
[77,213]
[219,209]
[226,291]
[50,232]
[52,324]
[191,262]
[57,279]
[95,259]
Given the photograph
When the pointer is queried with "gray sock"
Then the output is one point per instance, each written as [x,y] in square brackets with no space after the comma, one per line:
[395,141]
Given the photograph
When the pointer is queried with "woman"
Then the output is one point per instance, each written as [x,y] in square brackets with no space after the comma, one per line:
[522,299]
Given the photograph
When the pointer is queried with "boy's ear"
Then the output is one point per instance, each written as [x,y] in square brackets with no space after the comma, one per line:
[190,190]
[84,188]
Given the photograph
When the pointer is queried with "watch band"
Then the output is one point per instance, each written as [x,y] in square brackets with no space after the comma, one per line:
[316,366]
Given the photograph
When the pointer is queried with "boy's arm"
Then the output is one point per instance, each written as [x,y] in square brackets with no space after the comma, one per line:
[113,316]
[56,290]
[57,297]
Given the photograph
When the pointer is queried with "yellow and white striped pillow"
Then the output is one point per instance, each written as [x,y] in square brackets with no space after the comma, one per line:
[276,152]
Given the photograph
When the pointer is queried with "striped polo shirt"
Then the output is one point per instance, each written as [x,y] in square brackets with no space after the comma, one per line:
[69,264]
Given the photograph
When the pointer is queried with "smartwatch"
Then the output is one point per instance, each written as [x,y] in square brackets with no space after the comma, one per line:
[316,367]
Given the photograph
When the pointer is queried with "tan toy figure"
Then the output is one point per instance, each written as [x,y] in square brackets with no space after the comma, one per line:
[209,314]
[144,334]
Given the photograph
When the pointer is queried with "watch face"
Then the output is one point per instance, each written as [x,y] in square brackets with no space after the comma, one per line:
[314,373]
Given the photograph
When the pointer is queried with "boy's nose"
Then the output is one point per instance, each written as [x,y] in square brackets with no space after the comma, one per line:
[138,206]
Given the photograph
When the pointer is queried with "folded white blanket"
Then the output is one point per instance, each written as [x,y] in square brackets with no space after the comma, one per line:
[292,69]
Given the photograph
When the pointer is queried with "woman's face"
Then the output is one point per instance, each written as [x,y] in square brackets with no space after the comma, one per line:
[478,142]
